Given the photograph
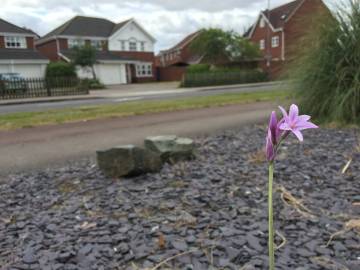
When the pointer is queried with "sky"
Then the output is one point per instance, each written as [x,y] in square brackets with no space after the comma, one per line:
[167,20]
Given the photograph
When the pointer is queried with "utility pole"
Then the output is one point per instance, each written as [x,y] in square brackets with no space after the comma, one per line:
[268,39]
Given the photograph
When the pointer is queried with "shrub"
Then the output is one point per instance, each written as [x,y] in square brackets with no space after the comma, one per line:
[60,69]
[92,84]
[221,77]
[198,68]
[327,76]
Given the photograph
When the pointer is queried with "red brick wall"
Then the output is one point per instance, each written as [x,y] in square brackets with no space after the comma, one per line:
[30,42]
[262,33]
[172,73]
[2,42]
[63,44]
[184,56]
[301,24]
[49,50]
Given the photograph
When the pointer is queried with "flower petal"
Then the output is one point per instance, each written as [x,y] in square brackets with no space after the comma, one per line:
[293,112]
[304,117]
[306,125]
[285,126]
[283,112]
[298,134]
[270,154]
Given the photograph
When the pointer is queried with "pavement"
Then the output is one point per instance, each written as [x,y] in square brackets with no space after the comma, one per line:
[131,92]
[49,146]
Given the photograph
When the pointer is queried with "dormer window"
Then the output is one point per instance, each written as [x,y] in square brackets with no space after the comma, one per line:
[132,45]
[15,42]
[123,45]
[142,46]
[283,17]
[262,22]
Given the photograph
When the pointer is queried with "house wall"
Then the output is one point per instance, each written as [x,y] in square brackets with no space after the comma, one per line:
[301,24]
[262,33]
[30,42]
[148,57]
[63,44]
[49,50]
[178,56]
[131,31]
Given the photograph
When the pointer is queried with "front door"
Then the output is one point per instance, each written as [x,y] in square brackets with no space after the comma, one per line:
[128,73]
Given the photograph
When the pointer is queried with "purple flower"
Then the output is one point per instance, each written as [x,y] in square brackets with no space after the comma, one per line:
[273,136]
[295,123]
[270,151]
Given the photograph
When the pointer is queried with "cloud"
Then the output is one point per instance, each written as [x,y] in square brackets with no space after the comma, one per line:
[167,20]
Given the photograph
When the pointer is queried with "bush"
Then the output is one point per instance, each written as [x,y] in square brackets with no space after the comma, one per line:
[92,84]
[198,68]
[60,69]
[221,77]
[327,77]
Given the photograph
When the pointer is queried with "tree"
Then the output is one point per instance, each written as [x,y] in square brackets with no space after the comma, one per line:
[241,48]
[85,56]
[218,46]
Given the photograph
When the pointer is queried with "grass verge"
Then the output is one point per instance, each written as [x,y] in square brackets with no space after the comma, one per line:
[32,119]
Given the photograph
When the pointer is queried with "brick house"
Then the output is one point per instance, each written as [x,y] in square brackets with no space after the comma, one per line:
[125,51]
[172,62]
[278,32]
[180,54]
[18,53]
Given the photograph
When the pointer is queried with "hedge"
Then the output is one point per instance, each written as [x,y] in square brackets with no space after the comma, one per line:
[60,69]
[213,78]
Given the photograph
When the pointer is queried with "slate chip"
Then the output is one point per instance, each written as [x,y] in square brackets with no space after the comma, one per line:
[215,204]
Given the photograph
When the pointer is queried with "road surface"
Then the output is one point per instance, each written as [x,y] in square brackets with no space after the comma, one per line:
[115,97]
[48,146]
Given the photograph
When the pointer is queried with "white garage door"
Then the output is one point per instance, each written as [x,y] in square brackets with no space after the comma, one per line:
[25,70]
[111,73]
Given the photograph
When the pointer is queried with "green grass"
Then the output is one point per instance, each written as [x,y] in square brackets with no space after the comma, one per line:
[32,119]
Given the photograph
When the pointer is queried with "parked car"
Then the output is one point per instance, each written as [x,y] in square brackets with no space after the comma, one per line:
[12,83]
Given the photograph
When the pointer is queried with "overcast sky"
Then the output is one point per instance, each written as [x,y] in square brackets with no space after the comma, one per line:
[167,20]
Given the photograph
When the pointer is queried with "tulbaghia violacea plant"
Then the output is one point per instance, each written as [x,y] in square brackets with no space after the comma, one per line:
[277,132]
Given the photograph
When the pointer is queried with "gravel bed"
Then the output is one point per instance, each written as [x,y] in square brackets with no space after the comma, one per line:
[210,213]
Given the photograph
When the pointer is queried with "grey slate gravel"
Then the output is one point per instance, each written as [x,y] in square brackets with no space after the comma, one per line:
[216,207]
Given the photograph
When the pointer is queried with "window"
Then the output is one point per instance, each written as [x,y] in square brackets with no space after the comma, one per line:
[72,43]
[133,46]
[275,41]
[144,70]
[123,45]
[262,22]
[142,46]
[97,44]
[262,44]
[15,42]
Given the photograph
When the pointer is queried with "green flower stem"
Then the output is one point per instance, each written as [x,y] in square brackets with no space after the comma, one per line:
[271,218]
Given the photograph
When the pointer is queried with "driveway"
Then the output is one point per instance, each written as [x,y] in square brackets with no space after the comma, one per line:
[48,146]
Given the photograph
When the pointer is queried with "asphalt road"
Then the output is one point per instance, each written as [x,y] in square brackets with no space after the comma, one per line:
[48,146]
[43,106]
